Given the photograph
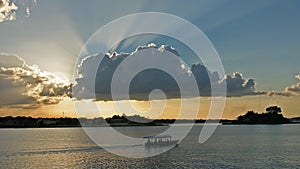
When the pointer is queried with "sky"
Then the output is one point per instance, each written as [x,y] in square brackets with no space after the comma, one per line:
[258,39]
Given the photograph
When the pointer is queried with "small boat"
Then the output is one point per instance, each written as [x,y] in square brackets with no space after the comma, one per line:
[160,140]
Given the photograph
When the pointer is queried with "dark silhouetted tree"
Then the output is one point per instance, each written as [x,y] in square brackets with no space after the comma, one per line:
[273,109]
[272,116]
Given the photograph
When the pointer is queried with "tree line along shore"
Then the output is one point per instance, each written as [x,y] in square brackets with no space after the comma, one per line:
[271,116]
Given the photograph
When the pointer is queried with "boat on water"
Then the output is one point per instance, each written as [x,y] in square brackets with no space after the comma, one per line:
[160,140]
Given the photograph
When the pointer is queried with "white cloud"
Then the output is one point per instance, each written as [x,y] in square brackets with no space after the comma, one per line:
[24,84]
[293,90]
[27,11]
[7,10]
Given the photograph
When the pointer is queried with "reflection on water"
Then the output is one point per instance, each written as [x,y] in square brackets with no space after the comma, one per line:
[230,147]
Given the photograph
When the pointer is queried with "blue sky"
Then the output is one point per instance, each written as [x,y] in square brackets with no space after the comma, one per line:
[260,39]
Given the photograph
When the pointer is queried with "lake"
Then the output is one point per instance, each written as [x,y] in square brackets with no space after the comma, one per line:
[236,146]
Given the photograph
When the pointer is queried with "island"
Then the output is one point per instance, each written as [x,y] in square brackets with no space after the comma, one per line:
[271,116]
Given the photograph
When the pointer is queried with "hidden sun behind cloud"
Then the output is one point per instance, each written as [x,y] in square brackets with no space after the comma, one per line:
[25,86]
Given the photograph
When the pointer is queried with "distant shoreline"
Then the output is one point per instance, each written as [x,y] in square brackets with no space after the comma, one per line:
[251,124]
[161,122]
[271,117]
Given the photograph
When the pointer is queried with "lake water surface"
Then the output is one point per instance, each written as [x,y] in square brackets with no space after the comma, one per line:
[242,146]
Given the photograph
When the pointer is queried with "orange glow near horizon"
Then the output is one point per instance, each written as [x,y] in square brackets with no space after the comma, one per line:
[234,107]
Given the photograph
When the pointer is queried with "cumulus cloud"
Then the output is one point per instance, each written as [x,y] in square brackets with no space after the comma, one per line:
[7,10]
[293,90]
[147,80]
[238,86]
[27,86]
[141,85]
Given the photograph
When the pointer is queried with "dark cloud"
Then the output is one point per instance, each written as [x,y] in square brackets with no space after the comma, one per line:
[238,86]
[27,86]
[143,83]
[12,93]
[147,80]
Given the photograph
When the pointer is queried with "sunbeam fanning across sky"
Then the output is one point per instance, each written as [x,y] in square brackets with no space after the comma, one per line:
[251,38]
[149,84]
